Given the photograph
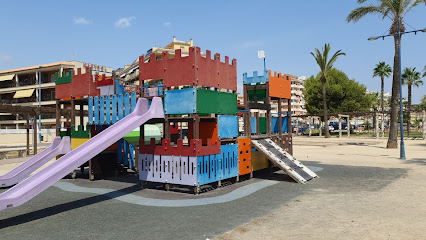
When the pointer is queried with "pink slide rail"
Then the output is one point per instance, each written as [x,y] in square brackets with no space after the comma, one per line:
[57,147]
[45,178]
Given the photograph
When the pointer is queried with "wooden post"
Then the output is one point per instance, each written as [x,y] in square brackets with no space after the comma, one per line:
[280,120]
[268,112]
[196,126]
[348,123]
[246,115]
[81,114]
[28,134]
[72,112]
[35,135]
[340,126]
[289,127]
[166,128]
[58,118]
[377,124]
[256,114]
[309,125]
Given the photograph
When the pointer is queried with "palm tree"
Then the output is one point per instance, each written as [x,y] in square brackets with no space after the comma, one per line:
[395,10]
[410,77]
[325,65]
[424,69]
[382,70]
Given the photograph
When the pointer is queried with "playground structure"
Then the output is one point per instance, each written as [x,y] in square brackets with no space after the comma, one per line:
[195,112]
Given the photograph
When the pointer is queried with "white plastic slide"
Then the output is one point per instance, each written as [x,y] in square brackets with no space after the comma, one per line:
[56,148]
[46,177]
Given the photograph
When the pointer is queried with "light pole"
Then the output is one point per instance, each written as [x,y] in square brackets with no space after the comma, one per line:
[401,117]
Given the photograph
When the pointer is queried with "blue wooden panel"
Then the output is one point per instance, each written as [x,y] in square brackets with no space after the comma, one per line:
[228,126]
[131,156]
[120,151]
[253,125]
[101,110]
[96,103]
[107,109]
[125,153]
[256,78]
[274,124]
[120,106]
[126,104]
[90,110]
[227,162]
[181,101]
[134,100]
[206,169]
[114,109]
[119,89]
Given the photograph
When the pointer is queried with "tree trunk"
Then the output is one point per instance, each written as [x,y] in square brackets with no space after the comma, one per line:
[409,110]
[393,132]
[324,102]
[383,107]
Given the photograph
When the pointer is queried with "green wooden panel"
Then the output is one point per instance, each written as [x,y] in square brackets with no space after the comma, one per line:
[207,101]
[64,78]
[80,133]
[262,125]
[216,102]
[228,103]
[259,93]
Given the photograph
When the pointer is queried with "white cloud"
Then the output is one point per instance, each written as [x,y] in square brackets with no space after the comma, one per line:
[124,22]
[251,44]
[81,20]
[5,58]
[167,24]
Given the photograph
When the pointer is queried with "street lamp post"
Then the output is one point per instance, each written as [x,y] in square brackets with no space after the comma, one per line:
[401,117]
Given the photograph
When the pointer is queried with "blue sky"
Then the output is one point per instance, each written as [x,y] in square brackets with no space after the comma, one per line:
[114,33]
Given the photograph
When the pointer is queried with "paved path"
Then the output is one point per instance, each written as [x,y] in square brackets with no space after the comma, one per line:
[108,209]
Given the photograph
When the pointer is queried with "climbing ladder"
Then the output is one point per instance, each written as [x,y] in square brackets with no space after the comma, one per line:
[284,160]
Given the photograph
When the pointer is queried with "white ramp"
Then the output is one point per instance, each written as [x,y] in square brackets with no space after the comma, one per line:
[284,160]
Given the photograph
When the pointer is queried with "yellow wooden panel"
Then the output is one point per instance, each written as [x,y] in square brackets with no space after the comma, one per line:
[258,161]
[75,142]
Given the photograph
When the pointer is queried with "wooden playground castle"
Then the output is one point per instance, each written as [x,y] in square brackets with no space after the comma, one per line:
[200,142]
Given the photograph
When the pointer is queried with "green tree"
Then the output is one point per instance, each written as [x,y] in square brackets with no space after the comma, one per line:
[343,94]
[422,105]
[410,77]
[394,10]
[325,65]
[382,70]
[424,69]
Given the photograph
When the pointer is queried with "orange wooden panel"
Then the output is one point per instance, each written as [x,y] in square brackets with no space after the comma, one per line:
[244,156]
[279,85]
[207,130]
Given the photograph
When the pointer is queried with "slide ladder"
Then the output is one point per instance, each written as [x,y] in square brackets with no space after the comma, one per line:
[40,181]
[284,160]
[57,147]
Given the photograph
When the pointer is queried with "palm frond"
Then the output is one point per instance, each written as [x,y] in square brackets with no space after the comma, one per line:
[360,12]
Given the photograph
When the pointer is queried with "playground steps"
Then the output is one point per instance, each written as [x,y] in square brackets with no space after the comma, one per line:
[284,160]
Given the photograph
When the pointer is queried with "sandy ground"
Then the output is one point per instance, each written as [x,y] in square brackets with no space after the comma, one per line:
[397,211]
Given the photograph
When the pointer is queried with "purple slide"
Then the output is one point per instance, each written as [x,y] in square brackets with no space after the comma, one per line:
[40,181]
[56,148]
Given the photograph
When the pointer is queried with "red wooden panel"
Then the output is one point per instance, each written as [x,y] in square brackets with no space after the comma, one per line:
[102,80]
[190,70]
[81,85]
[63,91]
[195,148]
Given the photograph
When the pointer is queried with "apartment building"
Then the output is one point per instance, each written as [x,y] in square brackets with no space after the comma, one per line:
[297,96]
[21,87]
